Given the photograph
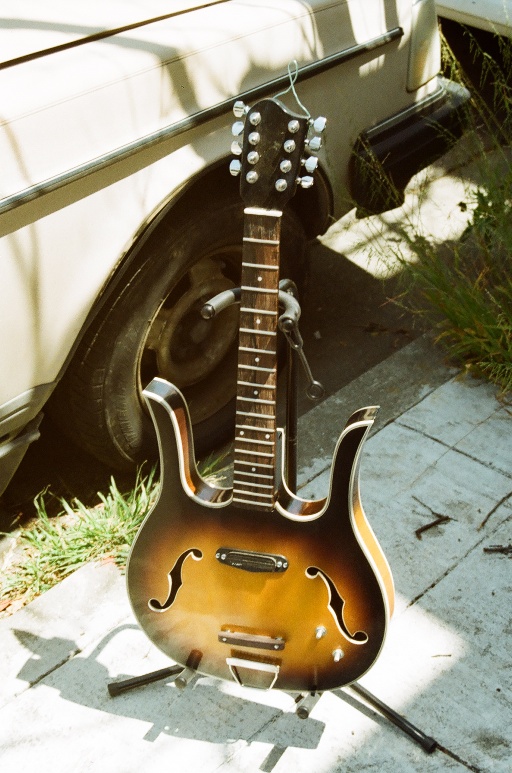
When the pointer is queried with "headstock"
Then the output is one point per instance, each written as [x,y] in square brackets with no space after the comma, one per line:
[268,145]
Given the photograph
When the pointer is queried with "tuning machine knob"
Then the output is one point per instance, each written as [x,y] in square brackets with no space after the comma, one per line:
[237,128]
[319,124]
[315,143]
[306,181]
[240,109]
[235,167]
[310,164]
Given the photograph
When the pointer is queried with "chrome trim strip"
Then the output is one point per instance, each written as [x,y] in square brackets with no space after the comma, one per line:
[192,121]
[403,115]
[105,33]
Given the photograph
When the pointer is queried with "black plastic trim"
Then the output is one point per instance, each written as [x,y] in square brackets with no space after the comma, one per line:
[386,156]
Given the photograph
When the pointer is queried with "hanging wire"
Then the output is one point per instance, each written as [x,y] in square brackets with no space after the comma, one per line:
[293,77]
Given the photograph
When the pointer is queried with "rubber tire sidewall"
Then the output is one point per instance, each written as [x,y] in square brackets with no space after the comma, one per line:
[100,404]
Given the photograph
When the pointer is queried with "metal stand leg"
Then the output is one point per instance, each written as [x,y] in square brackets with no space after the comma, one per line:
[425,741]
[116,688]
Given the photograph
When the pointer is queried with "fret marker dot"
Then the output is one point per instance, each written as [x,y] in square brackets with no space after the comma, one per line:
[253,469]
[242,432]
[256,359]
[256,392]
[258,321]
[260,279]
[267,436]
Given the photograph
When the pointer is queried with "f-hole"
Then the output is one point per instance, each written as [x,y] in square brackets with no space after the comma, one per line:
[335,605]
[175,581]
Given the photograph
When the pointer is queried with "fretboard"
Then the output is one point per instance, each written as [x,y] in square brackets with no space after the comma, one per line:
[255,434]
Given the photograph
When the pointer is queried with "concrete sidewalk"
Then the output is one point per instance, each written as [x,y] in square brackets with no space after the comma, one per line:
[442,447]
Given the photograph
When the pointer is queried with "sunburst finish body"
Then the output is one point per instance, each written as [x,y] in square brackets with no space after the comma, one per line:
[291,606]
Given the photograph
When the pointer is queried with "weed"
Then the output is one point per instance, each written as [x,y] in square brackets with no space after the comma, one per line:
[52,547]
[465,288]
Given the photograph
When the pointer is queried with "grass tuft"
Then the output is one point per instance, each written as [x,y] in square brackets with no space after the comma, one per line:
[51,548]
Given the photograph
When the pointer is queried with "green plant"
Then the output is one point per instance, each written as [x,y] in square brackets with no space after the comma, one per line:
[465,288]
[50,548]
[53,547]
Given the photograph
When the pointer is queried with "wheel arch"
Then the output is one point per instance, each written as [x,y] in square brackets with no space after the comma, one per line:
[313,207]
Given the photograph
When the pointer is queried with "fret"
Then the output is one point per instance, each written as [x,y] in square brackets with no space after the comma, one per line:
[257,332]
[255,351]
[256,367]
[269,416]
[255,384]
[256,441]
[257,485]
[259,476]
[254,240]
[250,502]
[261,494]
[249,426]
[259,311]
[275,213]
[257,400]
[246,452]
[255,475]
[255,464]
[247,264]
[259,289]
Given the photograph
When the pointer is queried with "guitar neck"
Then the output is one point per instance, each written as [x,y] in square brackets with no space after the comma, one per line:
[255,435]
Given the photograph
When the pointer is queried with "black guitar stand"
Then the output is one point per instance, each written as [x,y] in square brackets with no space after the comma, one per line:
[288,324]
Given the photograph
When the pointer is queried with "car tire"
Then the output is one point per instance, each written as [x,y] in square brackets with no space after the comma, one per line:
[152,327]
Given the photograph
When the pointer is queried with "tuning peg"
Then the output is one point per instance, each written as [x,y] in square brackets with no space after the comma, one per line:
[237,128]
[305,182]
[240,109]
[315,143]
[319,124]
[236,148]
[310,164]
[235,167]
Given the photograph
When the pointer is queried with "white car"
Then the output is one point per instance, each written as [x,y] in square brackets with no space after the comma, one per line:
[118,216]
[491,15]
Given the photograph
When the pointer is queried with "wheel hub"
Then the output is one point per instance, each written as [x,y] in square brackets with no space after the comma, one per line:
[187,347]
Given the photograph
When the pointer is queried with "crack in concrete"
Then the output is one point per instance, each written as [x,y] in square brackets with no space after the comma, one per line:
[56,666]
[449,447]
[459,560]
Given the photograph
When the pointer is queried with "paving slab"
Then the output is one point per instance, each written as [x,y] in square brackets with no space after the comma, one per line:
[445,663]
[57,625]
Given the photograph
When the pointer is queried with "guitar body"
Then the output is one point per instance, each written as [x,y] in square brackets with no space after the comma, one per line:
[297,598]
[252,583]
